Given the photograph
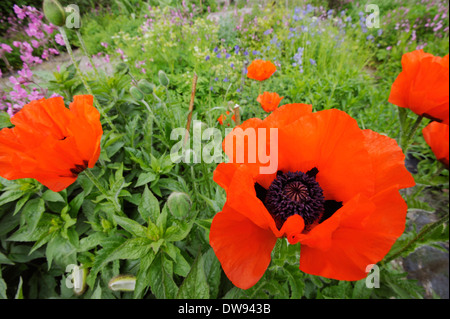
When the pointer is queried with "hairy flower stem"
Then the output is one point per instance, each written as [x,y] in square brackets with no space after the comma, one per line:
[407,137]
[424,231]
[84,80]
[83,46]
[102,190]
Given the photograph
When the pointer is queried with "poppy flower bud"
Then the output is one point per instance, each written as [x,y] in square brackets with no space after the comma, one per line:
[163,79]
[136,93]
[54,12]
[179,204]
[122,283]
[122,68]
[145,86]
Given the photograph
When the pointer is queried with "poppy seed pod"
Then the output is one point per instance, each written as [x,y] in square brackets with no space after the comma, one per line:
[136,93]
[163,79]
[54,12]
[145,86]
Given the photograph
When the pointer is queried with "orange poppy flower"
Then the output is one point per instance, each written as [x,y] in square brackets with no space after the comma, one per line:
[223,117]
[269,101]
[437,137]
[423,85]
[336,192]
[50,142]
[260,70]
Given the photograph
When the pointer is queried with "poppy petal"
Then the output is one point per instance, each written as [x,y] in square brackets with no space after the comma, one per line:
[388,162]
[243,249]
[332,142]
[381,221]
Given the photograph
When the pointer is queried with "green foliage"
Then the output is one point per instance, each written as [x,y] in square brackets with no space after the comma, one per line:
[149,217]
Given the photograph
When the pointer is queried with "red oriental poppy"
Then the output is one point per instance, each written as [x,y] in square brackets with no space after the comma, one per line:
[50,142]
[437,136]
[269,101]
[223,117]
[260,70]
[336,191]
[423,85]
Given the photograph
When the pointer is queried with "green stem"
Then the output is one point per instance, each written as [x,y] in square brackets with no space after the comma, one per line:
[424,231]
[100,187]
[83,46]
[83,78]
[406,143]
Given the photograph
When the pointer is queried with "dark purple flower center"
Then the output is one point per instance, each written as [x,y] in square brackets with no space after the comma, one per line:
[297,193]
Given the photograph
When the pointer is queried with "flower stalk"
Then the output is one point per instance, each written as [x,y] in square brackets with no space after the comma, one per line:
[83,78]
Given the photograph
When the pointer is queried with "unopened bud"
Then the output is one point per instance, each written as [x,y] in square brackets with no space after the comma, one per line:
[145,86]
[136,93]
[122,68]
[179,204]
[163,79]
[54,12]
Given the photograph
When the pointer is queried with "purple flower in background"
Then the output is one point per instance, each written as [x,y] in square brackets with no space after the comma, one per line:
[246,53]
[236,49]
[267,32]
[219,55]
[104,44]
[216,49]
[226,80]
[228,56]
[207,58]
[312,61]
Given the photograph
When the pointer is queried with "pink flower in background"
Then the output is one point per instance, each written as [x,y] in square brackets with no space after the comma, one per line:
[59,39]
[104,44]
[6,47]
[21,13]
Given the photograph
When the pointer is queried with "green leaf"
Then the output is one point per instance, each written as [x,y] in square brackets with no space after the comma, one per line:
[19,293]
[131,226]
[10,196]
[213,272]
[110,244]
[133,248]
[178,230]
[5,260]
[161,281]
[149,206]
[2,287]
[145,178]
[61,251]
[143,275]
[32,213]
[195,285]
[51,196]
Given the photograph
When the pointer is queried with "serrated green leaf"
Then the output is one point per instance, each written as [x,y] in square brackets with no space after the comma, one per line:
[195,285]
[161,280]
[178,231]
[149,206]
[213,272]
[32,213]
[145,178]
[131,226]
[10,196]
